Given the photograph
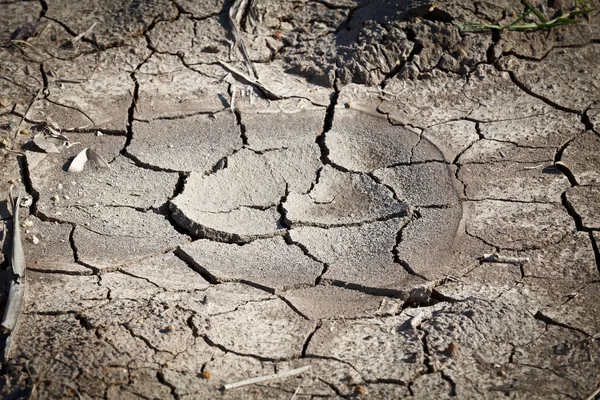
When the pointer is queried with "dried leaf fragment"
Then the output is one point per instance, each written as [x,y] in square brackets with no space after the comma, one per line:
[360,390]
[566,171]
[40,141]
[78,162]
[97,158]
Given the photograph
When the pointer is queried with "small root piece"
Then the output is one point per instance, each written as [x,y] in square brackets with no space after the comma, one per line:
[497,258]
[259,379]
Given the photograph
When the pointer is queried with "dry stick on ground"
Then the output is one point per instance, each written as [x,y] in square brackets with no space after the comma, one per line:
[233,19]
[78,37]
[266,378]
[17,286]
[497,258]
[25,116]
[252,81]
[296,392]
[593,396]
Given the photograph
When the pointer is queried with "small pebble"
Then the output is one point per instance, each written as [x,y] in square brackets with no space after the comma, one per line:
[56,198]
[206,374]
[562,349]
[34,239]
[360,390]
[453,349]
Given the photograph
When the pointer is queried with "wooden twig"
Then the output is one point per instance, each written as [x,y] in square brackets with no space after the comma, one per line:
[535,167]
[593,396]
[17,255]
[258,379]
[17,286]
[251,81]
[497,258]
[78,37]
[25,116]
[12,311]
[232,102]
[237,40]
[417,319]
[296,392]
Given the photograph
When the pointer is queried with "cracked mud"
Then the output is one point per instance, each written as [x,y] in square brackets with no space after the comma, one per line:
[406,205]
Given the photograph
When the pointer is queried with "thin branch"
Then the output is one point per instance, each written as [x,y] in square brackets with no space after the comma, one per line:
[259,379]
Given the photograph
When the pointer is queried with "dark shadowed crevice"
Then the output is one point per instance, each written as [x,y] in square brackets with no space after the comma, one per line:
[292,307]
[124,272]
[209,342]
[401,294]
[548,320]
[195,331]
[84,322]
[573,213]
[334,388]
[27,182]
[131,113]
[322,274]
[56,103]
[490,53]
[44,8]
[141,164]
[586,121]
[395,252]
[180,185]
[329,113]
[390,189]
[478,130]
[283,221]
[447,378]
[204,273]
[242,127]
[416,49]
[382,218]
[308,339]
[288,239]
[62,24]
[596,251]
[530,92]
[161,379]
[95,271]
[560,151]
[132,107]
[45,91]
[426,355]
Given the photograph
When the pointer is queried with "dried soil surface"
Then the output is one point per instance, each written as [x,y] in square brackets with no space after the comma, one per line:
[406,205]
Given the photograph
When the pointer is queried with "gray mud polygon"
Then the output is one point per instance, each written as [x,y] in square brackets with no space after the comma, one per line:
[350,221]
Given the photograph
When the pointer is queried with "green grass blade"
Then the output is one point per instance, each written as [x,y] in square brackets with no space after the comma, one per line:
[579,12]
[516,21]
[485,26]
[536,12]
[532,25]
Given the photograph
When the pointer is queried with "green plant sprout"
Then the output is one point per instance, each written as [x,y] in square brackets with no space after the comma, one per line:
[567,18]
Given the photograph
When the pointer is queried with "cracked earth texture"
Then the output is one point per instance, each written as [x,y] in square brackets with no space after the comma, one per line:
[339,220]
